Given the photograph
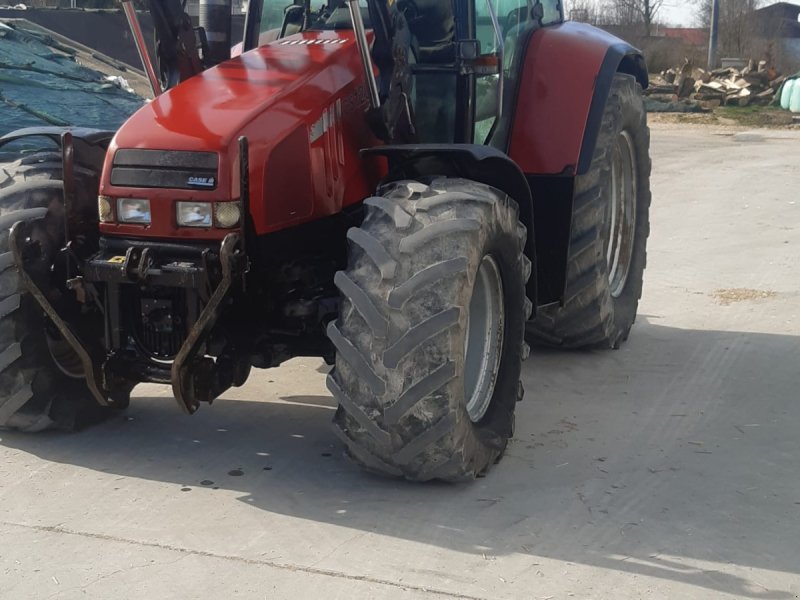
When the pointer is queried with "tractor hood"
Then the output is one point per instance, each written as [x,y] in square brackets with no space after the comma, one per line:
[300,103]
[275,86]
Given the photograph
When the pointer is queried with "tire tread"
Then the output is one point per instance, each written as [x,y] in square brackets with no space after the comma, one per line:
[405,425]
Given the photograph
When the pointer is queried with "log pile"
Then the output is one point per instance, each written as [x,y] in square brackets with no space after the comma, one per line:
[703,90]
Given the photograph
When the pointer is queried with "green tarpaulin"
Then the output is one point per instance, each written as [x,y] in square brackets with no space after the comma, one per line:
[41,84]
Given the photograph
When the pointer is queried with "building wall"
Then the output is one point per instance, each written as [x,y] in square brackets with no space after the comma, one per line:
[105,31]
[778,20]
[791,49]
[779,10]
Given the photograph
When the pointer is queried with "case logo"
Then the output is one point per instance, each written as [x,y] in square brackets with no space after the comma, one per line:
[203,182]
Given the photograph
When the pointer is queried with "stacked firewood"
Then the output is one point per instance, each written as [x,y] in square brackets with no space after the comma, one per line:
[755,84]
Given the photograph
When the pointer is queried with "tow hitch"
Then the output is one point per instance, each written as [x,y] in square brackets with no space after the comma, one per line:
[194,378]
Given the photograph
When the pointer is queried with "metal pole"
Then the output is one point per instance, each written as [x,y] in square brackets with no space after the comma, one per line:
[244,191]
[141,46]
[713,42]
[68,179]
[363,48]
[501,54]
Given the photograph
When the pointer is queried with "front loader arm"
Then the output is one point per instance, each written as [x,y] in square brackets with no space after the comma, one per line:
[391,116]
[176,43]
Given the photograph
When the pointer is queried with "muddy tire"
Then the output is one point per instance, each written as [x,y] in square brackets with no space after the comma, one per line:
[431,266]
[34,393]
[610,227]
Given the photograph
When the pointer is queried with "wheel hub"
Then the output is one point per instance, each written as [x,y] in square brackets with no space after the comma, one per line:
[484,342]
[622,221]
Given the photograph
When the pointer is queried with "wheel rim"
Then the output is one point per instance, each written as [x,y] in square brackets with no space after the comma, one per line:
[484,344]
[622,222]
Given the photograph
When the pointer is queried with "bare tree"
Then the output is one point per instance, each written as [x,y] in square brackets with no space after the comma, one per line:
[584,11]
[632,20]
[736,33]
[638,12]
[635,16]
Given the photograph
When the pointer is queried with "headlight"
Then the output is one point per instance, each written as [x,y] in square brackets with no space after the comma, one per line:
[194,214]
[105,209]
[133,210]
[227,214]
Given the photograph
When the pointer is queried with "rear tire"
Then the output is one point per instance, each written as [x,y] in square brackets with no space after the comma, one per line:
[34,393]
[608,249]
[408,305]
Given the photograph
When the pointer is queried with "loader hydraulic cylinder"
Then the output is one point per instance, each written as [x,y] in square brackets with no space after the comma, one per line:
[363,48]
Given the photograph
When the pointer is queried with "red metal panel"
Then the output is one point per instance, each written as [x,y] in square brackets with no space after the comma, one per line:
[311,84]
[287,197]
[558,82]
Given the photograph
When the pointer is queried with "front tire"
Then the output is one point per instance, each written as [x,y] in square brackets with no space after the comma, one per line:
[36,392]
[610,227]
[430,331]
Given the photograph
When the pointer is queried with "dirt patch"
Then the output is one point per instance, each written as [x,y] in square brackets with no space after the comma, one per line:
[683,118]
[730,296]
[731,116]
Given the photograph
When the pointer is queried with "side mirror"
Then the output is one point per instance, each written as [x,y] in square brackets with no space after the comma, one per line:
[537,13]
[468,50]
[293,19]
[471,60]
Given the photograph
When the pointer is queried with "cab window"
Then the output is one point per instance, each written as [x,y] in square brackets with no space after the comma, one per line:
[511,14]
[272,14]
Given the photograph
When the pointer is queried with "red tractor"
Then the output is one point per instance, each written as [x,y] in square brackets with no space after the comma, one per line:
[403,188]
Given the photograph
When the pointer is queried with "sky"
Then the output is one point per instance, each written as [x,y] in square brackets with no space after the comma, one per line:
[682,14]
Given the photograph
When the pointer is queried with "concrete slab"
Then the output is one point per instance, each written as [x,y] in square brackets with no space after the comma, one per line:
[667,469]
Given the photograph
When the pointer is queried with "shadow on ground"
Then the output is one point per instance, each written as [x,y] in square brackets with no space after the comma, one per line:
[667,459]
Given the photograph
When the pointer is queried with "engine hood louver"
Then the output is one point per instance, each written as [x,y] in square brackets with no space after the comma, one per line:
[165,169]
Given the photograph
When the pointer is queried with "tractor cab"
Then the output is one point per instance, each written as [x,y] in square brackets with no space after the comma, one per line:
[464,58]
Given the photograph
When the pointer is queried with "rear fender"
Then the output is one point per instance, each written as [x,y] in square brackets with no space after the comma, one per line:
[565,82]
[471,161]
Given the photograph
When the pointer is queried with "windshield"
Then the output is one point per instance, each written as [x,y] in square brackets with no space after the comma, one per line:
[272,14]
[327,17]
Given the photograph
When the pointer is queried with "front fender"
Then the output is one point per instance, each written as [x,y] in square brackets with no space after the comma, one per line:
[565,82]
[92,137]
[89,145]
[484,164]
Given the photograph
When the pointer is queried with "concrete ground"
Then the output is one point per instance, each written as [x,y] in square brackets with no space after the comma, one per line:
[668,469]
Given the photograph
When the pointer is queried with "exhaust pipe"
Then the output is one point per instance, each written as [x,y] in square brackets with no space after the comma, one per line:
[215,19]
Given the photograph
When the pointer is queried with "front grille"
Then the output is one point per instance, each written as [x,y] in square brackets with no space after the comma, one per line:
[165,169]
[160,323]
